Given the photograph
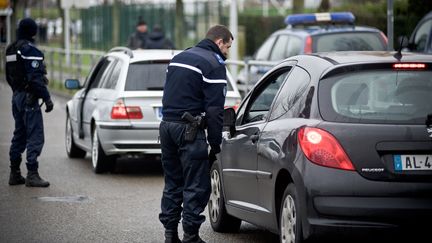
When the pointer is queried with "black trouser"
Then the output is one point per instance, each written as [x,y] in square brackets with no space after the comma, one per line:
[187,178]
[29,131]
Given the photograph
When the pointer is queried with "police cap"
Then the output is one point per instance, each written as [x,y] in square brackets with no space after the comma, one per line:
[27,28]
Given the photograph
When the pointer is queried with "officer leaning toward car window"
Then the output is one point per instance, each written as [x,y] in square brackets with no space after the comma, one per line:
[195,84]
[25,73]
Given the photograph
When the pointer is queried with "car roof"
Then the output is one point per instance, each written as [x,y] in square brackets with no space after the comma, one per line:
[427,16]
[318,30]
[148,54]
[352,57]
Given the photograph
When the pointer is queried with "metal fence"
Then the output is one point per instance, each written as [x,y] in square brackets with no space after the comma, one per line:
[55,61]
[105,26]
[83,60]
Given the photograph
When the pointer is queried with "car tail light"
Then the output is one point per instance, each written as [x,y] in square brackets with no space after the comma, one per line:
[322,148]
[409,66]
[120,111]
[384,38]
[235,107]
[308,45]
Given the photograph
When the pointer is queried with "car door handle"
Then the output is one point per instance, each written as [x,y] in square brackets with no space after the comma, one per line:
[254,138]
[95,98]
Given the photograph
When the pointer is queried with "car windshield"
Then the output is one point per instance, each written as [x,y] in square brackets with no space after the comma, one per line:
[381,96]
[148,75]
[354,41]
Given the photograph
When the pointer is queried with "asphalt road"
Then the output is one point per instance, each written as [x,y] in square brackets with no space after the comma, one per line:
[81,206]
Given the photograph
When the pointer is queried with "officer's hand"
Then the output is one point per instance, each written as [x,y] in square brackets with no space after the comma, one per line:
[49,105]
[212,157]
[214,149]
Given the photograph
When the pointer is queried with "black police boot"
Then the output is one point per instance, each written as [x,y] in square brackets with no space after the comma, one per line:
[15,177]
[34,180]
[171,236]
[192,238]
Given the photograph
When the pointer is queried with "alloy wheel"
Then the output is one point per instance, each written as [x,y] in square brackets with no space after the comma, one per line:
[288,221]
[215,196]
[95,149]
[68,136]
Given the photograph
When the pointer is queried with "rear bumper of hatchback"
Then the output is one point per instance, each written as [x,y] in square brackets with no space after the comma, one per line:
[341,201]
[125,138]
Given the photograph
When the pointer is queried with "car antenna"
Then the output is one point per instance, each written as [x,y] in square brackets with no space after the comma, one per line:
[398,54]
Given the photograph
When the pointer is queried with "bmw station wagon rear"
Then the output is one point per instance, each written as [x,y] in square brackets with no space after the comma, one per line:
[118,111]
[331,142]
[133,125]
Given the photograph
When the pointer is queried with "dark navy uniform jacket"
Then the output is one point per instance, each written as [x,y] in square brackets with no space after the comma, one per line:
[29,65]
[196,82]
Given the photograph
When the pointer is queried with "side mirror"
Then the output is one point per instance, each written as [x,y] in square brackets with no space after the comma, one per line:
[72,84]
[229,119]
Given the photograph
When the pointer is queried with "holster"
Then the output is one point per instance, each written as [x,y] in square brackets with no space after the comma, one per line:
[193,124]
[191,132]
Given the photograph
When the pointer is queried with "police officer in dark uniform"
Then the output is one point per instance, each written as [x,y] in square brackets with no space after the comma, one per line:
[195,84]
[25,73]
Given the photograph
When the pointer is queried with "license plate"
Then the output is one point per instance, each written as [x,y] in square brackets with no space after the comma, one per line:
[159,113]
[412,162]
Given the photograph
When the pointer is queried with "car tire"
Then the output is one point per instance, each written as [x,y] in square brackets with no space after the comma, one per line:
[220,220]
[72,150]
[100,161]
[290,229]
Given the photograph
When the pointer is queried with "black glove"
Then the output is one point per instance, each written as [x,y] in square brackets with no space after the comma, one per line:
[49,105]
[214,149]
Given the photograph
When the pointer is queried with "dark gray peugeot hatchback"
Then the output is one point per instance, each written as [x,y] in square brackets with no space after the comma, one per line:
[326,143]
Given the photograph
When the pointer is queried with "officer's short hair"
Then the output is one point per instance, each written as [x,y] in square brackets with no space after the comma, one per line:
[219,32]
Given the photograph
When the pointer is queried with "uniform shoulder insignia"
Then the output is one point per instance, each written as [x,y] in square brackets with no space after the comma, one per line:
[35,64]
[219,58]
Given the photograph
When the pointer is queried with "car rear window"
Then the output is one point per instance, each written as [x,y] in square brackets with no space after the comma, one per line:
[149,75]
[380,96]
[354,41]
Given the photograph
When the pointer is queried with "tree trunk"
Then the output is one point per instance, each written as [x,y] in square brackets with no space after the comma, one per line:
[324,6]
[179,24]
[14,19]
[61,14]
[298,6]
[116,23]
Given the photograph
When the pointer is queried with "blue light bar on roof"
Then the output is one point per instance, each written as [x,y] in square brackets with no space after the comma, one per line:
[317,18]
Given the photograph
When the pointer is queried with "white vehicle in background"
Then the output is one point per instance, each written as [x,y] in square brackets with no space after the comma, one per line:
[118,109]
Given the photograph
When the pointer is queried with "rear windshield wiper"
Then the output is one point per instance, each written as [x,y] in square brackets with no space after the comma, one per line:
[154,88]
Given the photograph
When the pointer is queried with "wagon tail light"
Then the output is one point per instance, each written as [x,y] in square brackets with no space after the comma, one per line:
[308,45]
[322,148]
[120,111]
[235,107]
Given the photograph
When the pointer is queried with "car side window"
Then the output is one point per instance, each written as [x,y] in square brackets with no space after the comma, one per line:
[292,90]
[264,52]
[262,98]
[98,79]
[279,48]
[111,82]
[422,35]
[294,47]
[241,111]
